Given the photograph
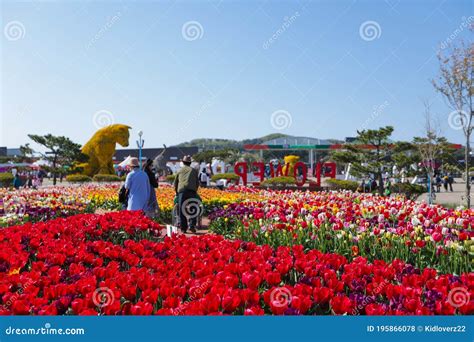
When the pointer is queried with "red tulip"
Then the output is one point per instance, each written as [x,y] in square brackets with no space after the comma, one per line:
[373,309]
[254,311]
[437,237]
[273,278]
[302,304]
[77,305]
[341,305]
[251,280]
[20,307]
[88,312]
[420,243]
[322,295]
[230,302]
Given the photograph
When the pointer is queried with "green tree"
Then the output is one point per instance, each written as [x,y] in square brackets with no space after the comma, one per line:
[61,152]
[373,158]
[404,157]
[26,150]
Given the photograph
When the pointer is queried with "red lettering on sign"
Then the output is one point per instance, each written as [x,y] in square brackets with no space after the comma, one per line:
[322,169]
[332,170]
[304,172]
[240,169]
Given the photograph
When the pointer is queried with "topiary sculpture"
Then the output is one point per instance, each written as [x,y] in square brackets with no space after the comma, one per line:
[290,162]
[101,149]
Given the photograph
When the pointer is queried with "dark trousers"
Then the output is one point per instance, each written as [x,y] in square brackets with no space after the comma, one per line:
[183,218]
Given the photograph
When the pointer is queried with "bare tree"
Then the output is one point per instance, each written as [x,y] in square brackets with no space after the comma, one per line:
[430,146]
[455,83]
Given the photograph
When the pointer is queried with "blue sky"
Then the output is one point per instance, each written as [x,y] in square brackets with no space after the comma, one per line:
[68,67]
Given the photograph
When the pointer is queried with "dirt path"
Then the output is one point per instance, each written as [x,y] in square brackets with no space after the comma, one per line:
[203,231]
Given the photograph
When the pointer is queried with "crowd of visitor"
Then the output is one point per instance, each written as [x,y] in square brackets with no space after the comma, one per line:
[446,180]
[138,191]
[28,178]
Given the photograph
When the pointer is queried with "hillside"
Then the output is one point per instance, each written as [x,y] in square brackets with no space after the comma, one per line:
[206,143]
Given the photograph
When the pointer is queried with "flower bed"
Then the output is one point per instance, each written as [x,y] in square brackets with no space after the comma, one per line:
[20,206]
[114,264]
[356,225]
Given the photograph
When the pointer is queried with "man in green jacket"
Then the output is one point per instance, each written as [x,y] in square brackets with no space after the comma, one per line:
[186,185]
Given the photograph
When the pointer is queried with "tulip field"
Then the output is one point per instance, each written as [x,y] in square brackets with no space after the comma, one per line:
[376,228]
[71,251]
[29,205]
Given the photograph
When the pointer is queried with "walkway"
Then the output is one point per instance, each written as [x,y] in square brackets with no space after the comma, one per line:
[454,198]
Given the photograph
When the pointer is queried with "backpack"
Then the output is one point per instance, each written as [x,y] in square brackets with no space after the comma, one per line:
[123,195]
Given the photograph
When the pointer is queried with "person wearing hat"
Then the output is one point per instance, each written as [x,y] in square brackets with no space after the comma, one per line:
[186,184]
[138,187]
[153,207]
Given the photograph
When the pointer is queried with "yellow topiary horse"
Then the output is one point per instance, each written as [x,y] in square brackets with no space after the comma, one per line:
[290,161]
[101,149]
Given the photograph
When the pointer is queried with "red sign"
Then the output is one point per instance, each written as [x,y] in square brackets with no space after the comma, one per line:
[324,169]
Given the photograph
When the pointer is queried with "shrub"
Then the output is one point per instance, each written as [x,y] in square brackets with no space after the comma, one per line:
[6,179]
[77,178]
[340,184]
[229,176]
[408,189]
[279,181]
[106,178]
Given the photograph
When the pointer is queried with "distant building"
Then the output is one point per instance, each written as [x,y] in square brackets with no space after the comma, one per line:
[296,141]
[13,152]
[9,152]
[172,153]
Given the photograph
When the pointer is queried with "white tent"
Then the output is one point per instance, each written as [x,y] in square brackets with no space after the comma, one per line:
[42,162]
[125,162]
